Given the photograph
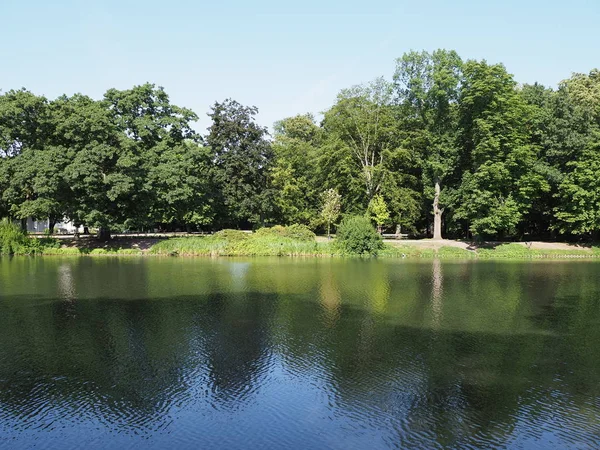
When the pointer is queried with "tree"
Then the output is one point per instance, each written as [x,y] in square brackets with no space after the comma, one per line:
[181,185]
[295,172]
[427,87]
[330,210]
[35,186]
[242,158]
[363,120]
[23,122]
[500,179]
[578,209]
[378,211]
[24,128]
[113,146]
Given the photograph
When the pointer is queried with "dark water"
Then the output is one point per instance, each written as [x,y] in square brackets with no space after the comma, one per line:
[107,353]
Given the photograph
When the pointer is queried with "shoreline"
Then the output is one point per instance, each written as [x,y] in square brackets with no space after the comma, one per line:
[211,246]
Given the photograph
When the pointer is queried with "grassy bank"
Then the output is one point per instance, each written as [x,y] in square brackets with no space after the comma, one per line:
[276,241]
[253,245]
[257,245]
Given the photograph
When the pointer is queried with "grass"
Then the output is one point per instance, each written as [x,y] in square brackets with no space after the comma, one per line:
[279,241]
[74,251]
[517,251]
[412,251]
[254,245]
[261,244]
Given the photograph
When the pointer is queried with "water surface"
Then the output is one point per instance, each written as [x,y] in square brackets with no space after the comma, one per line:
[109,353]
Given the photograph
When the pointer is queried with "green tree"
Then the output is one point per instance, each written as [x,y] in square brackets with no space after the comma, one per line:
[181,186]
[378,211]
[113,145]
[35,186]
[295,173]
[24,128]
[499,162]
[331,207]
[427,86]
[362,119]
[578,209]
[242,158]
[23,122]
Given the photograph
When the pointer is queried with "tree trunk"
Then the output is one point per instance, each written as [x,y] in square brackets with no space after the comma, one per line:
[51,225]
[24,224]
[437,213]
[103,234]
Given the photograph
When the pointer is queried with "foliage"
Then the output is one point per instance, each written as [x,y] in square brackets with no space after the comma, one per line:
[378,211]
[427,87]
[363,120]
[295,172]
[578,210]
[12,238]
[257,244]
[448,145]
[296,231]
[356,236]
[330,207]
[242,157]
[232,235]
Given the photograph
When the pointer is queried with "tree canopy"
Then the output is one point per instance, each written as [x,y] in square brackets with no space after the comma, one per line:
[446,148]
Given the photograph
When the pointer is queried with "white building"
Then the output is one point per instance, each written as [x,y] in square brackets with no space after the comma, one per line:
[40,226]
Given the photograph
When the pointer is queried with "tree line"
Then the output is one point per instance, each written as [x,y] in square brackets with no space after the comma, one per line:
[446,147]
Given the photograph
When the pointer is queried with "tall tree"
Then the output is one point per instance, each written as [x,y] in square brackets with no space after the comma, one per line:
[363,120]
[114,144]
[181,185]
[578,208]
[427,87]
[500,178]
[295,171]
[242,158]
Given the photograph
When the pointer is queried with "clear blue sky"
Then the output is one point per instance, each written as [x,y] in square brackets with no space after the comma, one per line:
[283,57]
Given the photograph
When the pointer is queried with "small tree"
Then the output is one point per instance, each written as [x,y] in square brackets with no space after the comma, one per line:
[356,236]
[330,210]
[378,211]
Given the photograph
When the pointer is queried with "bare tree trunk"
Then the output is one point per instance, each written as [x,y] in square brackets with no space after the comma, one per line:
[437,212]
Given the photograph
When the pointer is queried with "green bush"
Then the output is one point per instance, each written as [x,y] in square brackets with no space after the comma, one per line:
[277,230]
[300,232]
[296,231]
[356,236]
[232,235]
[13,240]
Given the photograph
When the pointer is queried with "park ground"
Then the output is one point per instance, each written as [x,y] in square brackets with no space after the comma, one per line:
[151,243]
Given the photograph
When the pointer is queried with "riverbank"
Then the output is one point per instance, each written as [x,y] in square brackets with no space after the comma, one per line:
[257,245]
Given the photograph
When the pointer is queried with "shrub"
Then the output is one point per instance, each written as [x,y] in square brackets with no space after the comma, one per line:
[14,241]
[232,235]
[356,236]
[296,231]
[300,232]
[277,230]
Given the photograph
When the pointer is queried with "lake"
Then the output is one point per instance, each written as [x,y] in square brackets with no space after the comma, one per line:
[153,353]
